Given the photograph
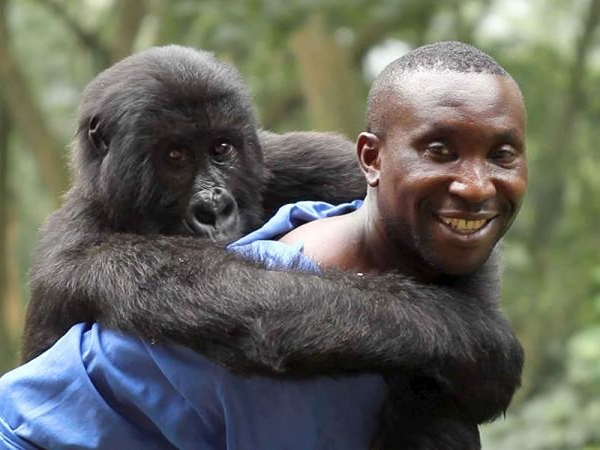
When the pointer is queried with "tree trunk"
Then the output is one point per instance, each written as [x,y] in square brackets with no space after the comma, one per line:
[128,21]
[4,337]
[329,80]
[28,118]
[6,341]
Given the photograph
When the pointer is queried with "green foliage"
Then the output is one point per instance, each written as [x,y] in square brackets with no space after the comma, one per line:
[552,254]
[565,416]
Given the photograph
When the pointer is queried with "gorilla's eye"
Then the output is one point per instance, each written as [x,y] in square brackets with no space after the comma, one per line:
[221,149]
[178,156]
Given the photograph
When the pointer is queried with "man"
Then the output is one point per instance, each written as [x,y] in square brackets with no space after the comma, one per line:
[445,165]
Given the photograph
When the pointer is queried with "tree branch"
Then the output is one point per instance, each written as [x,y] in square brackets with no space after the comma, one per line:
[88,39]
[329,81]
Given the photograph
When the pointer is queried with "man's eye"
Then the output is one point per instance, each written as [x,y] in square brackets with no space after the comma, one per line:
[438,150]
[505,155]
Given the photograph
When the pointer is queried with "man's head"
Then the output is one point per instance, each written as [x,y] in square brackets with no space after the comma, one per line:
[444,156]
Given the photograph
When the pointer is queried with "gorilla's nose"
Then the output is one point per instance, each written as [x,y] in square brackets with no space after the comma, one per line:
[212,211]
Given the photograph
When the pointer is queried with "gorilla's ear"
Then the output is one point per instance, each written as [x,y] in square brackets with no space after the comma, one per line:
[97,137]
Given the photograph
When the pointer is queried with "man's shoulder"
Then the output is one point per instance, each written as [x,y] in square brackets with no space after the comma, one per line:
[291,216]
[263,246]
[326,241]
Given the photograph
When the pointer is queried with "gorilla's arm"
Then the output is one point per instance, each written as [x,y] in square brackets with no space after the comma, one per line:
[419,416]
[249,319]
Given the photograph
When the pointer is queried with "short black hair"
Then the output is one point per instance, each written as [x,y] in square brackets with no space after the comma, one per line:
[444,56]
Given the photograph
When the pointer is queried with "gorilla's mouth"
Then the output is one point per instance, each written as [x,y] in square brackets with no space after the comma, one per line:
[216,232]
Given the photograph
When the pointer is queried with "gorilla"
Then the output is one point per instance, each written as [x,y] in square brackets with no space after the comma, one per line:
[169,165]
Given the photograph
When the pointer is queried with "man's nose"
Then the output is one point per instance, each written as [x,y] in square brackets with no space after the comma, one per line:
[473,183]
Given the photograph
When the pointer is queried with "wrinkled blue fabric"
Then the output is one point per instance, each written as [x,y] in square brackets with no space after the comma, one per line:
[99,389]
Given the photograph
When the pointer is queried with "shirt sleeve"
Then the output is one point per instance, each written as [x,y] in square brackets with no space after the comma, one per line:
[98,389]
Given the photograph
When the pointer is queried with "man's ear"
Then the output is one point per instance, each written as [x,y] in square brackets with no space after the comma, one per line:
[96,136]
[368,147]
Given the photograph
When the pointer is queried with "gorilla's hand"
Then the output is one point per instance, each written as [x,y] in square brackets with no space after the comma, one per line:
[419,416]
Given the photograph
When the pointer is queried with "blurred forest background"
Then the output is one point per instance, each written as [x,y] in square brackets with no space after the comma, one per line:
[309,64]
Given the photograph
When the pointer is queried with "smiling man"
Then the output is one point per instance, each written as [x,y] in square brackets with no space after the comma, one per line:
[444,159]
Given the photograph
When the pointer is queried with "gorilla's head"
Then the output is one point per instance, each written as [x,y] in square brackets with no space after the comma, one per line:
[166,143]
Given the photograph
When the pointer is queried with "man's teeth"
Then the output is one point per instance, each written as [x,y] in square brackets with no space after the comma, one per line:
[464,225]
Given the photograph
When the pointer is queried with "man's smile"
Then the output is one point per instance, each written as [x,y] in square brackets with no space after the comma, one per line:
[465,228]
[463,225]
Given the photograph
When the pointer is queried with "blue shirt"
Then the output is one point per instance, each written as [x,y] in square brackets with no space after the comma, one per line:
[97,388]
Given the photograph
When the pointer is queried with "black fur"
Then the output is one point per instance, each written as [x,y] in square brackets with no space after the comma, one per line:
[310,165]
[166,161]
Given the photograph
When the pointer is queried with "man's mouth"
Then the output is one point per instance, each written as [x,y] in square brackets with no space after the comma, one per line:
[465,226]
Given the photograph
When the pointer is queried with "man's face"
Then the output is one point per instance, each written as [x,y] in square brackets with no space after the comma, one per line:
[453,171]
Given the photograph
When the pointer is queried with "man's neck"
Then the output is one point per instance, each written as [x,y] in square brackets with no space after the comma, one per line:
[354,242]
[380,254]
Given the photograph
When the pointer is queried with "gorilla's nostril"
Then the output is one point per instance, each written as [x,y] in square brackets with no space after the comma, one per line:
[228,209]
[225,205]
[212,212]
[204,214]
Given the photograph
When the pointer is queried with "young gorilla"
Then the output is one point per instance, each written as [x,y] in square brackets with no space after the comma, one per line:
[167,154]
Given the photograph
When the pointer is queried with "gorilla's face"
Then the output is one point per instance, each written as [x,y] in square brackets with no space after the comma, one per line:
[172,150]
[209,187]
